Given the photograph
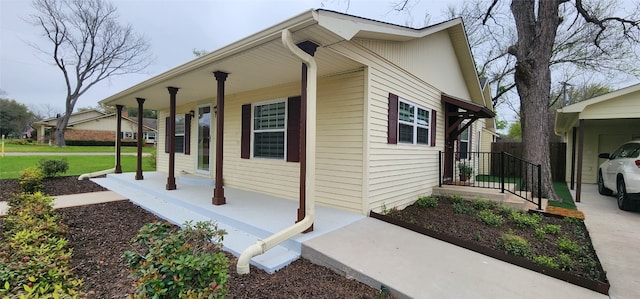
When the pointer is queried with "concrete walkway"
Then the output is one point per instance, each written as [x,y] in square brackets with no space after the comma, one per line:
[615,237]
[65,201]
[416,266]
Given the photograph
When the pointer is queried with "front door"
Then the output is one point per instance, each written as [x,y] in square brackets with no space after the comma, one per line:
[204,139]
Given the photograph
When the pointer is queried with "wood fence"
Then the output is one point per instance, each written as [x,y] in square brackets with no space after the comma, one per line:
[558,158]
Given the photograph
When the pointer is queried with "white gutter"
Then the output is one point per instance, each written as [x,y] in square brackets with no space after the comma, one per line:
[261,246]
[87,176]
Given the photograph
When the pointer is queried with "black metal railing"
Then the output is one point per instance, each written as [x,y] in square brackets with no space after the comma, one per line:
[501,171]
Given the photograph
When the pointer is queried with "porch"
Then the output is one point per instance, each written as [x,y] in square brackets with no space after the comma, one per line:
[246,217]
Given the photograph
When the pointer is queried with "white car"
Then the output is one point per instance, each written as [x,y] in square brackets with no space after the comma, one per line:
[621,172]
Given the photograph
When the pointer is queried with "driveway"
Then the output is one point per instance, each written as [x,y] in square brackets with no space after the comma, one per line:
[616,238]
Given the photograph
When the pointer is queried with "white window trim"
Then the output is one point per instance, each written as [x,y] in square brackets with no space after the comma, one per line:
[253,131]
[415,125]
[211,124]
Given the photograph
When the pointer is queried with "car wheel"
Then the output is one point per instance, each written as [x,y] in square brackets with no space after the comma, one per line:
[601,188]
[623,201]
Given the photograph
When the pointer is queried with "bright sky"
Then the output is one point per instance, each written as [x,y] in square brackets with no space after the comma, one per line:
[174,28]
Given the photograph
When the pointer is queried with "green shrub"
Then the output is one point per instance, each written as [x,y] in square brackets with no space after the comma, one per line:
[51,168]
[483,204]
[540,233]
[457,198]
[546,261]
[567,246]
[19,141]
[427,202]
[505,210]
[30,180]
[34,256]
[515,245]
[525,220]
[172,263]
[462,208]
[152,158]
[489,218]
[565,262]
[552,229]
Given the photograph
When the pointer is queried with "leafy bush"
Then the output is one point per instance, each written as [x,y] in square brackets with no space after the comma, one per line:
[34,257]
[565,262]
[552,229]
[172,263]
[457,198]
[462,208]
[427,202]
[567,246]
[51,168]
[20,141]
[489,218]
[483,204]
[546,261]
[505,210]
[525,220]
[31,180]
[515,245]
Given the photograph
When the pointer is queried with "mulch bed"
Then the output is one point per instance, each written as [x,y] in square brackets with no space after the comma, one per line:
[468,231]
[100,234]
[53,187]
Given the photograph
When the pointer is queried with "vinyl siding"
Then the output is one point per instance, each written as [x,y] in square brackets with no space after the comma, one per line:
[625,106]
[432,58]
[397,173]
[107,124]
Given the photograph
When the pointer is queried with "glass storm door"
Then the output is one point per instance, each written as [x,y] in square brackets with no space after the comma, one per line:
[204,139]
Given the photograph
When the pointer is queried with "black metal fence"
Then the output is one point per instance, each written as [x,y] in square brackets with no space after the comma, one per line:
[501,171]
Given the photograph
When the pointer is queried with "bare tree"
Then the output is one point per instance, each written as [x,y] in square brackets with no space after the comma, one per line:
[548,33]
[88,45]
[44,111]
[537,24]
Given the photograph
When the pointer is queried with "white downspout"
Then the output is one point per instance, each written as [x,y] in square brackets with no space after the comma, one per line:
[261,246]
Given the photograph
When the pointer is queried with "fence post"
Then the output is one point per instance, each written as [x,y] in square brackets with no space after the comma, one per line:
[539,187]
[439,168]
[502,171]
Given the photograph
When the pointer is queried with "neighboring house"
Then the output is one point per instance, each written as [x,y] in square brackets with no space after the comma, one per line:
[94,125]
[383,101]
[597,125]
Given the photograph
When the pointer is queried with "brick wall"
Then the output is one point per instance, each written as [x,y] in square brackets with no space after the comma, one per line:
[90,135]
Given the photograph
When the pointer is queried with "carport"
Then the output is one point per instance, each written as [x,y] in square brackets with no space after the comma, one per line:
[597,125]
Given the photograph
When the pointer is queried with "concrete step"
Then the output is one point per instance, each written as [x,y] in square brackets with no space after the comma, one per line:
[473,193]
[239,235]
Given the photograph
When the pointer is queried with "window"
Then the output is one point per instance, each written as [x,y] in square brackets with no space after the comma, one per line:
[269,130]
[179,140]
[464,144]
[182,136]
[413,123]
[274,128]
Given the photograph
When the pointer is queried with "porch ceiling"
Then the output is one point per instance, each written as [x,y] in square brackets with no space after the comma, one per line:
[264,65]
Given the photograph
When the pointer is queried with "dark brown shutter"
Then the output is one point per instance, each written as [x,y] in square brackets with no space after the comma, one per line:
[293,129]
[470,143]
[392,124]
[187,134]
[434,121]
[166,135]
[245,138]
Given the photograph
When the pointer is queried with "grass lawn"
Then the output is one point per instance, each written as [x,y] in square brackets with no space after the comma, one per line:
[42,148]
[11,166]
[563,191]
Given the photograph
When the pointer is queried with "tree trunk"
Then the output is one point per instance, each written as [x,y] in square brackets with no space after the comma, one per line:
[533,50]
[61,126]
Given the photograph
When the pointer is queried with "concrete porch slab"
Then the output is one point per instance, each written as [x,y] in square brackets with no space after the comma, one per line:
[247,216]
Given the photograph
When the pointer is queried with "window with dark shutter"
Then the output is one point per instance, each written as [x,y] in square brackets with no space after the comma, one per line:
[245,137]
[293,129]
[434,121]
[392,123]
[187,134]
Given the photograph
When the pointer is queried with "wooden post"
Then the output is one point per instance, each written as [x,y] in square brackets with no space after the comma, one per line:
[118,139]
[171,179]
[218,192]
[140,137]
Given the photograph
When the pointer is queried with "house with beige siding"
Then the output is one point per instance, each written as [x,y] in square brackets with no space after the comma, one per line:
[597,125]
[95,125]
[350,111]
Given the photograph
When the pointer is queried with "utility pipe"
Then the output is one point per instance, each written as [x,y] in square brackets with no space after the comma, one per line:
[261,246]
[89,175]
